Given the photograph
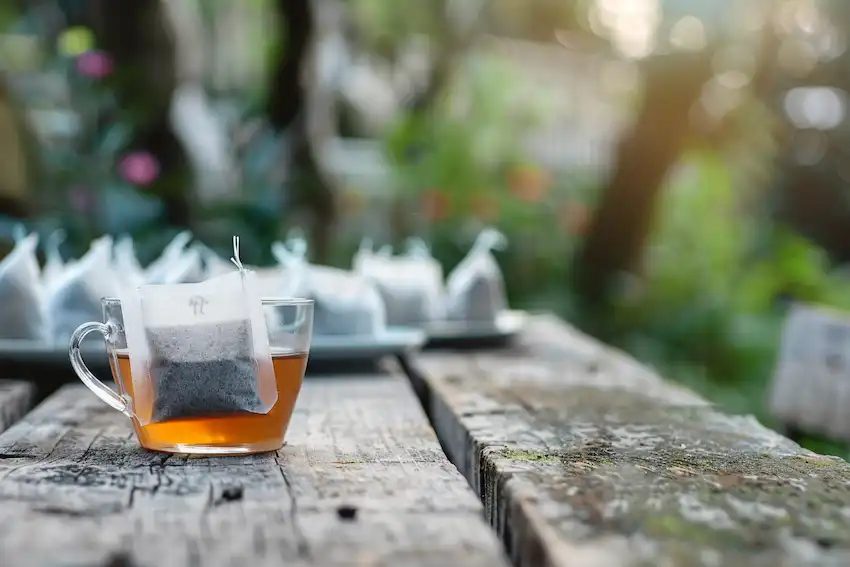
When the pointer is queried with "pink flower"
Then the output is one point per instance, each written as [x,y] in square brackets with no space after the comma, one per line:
[139,168]
[94,64]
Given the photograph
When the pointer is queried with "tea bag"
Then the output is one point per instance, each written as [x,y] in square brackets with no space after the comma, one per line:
[410,284]
[294,270]
[212,264]
[345,303]
[476,287]
[125,263]
[22,309]
[54,265]
[201,349]
[188,268]
[176,264]
[75,297]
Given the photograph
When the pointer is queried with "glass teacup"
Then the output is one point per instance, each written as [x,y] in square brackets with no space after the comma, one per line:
[289,323]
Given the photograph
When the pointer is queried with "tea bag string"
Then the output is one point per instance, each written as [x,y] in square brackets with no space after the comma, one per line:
[237,261]
[19,232]
[490,239]
[417,248]
[54,241]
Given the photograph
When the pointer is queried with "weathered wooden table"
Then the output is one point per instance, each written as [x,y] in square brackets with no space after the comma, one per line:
[584,458]
[362,481]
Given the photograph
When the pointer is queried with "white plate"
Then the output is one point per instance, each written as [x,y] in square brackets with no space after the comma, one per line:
[507,325]
[348,347]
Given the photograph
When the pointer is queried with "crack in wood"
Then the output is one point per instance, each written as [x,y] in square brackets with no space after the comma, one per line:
[303,546]
[16,456]
[120,559]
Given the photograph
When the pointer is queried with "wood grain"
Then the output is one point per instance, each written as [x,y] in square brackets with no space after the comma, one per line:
[362,481]
[585,458]
[15,399]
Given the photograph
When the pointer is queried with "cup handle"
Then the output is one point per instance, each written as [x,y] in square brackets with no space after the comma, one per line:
[100,390]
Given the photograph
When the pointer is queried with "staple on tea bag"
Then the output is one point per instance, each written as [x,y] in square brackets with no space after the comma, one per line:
[345,303]
[476,287]
[201,349]
[75,297]
[22,308]
[410,284]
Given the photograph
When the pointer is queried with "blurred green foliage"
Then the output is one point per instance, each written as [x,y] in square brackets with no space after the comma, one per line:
[718,274]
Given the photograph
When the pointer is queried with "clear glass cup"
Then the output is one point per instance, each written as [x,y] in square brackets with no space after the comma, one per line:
[290,327]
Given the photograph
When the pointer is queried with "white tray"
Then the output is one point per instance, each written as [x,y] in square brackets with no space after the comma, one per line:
[506,326]
[325,348]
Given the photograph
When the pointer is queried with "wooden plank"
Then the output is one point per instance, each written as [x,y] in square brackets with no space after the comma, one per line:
[76,489]
[15,399]
[585,458]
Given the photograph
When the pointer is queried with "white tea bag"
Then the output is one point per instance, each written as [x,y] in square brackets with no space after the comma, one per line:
[169,262]
[22,309]
[294,267]
[410,284]
[345,303]
[54,265]
[476,287]
[76,296]
[126,264]
[186,268]
[212,264]
[200,349]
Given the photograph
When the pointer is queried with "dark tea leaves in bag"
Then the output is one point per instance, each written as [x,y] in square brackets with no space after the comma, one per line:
[203,370]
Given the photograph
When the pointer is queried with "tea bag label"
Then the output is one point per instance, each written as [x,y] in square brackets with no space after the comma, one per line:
[223,298]
[197,303]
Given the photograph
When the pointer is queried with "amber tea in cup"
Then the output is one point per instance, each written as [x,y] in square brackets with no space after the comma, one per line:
[289,325]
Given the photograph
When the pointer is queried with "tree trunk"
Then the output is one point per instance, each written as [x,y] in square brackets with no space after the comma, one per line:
[17,168]
[288,110]
[645,155]
[137,35]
